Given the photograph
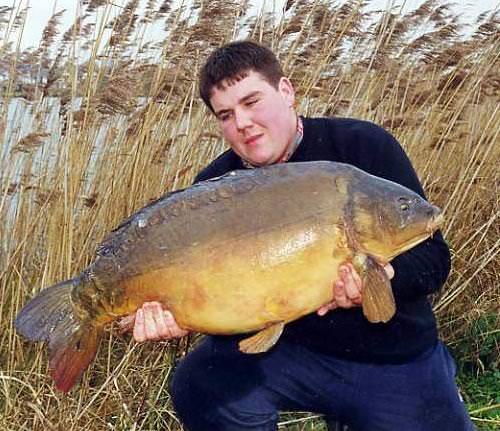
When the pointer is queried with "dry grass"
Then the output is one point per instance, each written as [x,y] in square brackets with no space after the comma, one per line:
[99,120]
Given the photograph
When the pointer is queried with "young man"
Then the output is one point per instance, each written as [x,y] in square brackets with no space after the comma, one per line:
[374,377]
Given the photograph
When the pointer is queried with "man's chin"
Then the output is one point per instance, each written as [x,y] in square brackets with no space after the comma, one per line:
[259,160]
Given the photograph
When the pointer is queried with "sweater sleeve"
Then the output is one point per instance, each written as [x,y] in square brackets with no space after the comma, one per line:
[424,268]
[223,164]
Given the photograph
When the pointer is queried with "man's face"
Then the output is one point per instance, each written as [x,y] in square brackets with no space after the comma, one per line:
[257,120]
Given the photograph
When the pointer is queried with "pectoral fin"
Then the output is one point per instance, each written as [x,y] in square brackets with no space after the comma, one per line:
[378,300]
[263,340]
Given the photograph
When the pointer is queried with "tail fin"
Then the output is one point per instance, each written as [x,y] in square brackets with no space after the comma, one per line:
[73,341]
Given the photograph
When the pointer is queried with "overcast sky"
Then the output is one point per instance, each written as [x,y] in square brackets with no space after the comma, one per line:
[41,10]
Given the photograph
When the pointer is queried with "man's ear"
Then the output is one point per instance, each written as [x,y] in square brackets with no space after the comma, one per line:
[287,91]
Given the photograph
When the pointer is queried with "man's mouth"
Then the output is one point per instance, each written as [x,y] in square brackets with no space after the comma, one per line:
[252,139]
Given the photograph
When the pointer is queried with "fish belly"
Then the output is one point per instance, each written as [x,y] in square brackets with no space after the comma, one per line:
[235,254]
[243,285]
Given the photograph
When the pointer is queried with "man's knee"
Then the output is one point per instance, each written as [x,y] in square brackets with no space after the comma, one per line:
[209,376]
[178,389]
[187,390]
[216,389]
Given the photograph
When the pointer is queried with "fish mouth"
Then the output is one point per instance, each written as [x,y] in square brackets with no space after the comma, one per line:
[436,221]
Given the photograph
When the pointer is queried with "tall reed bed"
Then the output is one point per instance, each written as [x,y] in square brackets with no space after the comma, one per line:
[99,120]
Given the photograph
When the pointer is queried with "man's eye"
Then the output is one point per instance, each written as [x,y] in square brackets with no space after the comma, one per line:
[252,102]
[224,117]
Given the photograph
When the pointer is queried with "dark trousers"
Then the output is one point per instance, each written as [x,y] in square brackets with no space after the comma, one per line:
[217,388]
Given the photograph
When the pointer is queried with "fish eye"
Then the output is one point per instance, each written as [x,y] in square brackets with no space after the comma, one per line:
[404,203]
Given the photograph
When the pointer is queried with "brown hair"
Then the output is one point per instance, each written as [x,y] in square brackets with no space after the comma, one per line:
[233,61]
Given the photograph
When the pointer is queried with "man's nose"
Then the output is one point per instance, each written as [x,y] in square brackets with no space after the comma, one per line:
[242,119]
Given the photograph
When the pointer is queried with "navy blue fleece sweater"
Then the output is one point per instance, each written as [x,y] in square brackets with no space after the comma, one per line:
[346,333]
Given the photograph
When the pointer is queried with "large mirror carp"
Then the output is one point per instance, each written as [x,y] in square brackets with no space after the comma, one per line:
[245,252]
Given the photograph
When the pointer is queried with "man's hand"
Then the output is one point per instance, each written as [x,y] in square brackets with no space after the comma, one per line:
[347,290]
[152,322]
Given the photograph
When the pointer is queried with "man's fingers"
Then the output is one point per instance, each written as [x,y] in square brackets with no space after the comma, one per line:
[152,322]
[149,322]
[155,324]
[175,330]
[352,283]
[346,290]
[162,329]
[326,308]
[321,311]
[139,332]
[340,296]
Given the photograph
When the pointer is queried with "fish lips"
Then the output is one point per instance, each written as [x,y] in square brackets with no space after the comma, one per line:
[436,220]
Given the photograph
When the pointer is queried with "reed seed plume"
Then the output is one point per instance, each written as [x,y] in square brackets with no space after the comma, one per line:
[118,95]
[93,5]
[30,142]
[149,12]
[123,25]
[102,117]
[164,8]
[75,31]
[51,30]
